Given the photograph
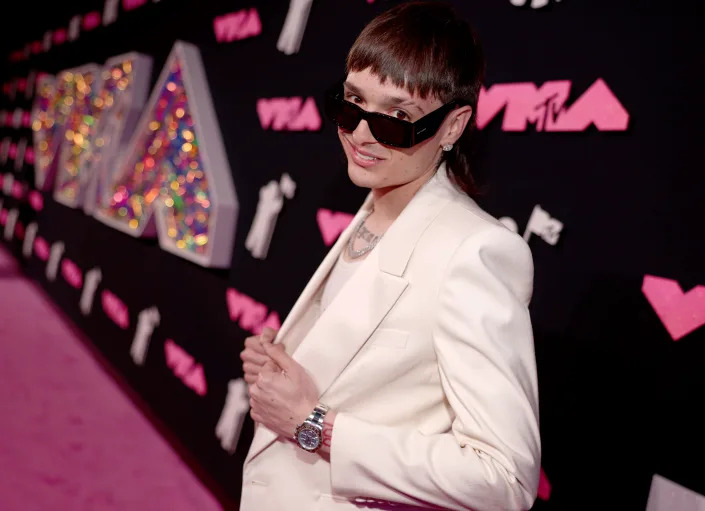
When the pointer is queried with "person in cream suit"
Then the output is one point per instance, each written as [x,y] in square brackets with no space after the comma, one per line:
[404,377]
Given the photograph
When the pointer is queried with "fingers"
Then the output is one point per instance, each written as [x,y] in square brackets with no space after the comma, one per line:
[250,368]
[280,356]
[254,343]
[258,356]
[267,334]
[255,372]
[271,367]
[255,361]
[255,392]
[254,357]
[257,397]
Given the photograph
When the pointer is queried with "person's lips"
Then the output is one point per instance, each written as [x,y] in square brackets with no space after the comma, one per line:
[361,157]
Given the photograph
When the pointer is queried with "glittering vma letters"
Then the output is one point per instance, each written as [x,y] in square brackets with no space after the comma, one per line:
[175,167]
[78,125]
[122,97]
[80,119]
[159,170]
[48,118]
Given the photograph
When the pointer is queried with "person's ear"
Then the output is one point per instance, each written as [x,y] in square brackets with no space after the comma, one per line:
[457,121]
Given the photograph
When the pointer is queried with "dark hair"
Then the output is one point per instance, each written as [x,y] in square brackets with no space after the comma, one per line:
[426,48]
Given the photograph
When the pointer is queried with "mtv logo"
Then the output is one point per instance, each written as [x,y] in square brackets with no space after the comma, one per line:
[542,224]
[250,314]
[237,25]
[665,495]
[294,26]
[545,107]
[288,114]
[237,404]
[185,367]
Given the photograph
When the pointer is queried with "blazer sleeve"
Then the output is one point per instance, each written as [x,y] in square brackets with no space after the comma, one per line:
[490,459]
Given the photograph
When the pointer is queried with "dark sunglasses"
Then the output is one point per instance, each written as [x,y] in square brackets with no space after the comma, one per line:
[386,129]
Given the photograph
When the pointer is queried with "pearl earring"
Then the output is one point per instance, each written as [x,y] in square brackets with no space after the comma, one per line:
[447,147]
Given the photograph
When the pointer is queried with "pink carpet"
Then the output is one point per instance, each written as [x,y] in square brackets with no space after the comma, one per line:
[70,439]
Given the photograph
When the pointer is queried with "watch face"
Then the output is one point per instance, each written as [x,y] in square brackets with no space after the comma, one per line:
[308,438]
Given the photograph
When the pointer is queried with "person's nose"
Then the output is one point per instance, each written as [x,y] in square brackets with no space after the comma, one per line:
[362,135]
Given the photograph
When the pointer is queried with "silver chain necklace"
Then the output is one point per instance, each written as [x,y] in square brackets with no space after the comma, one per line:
[362,232]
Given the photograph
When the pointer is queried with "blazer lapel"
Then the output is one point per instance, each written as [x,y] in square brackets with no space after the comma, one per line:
[292,332]
[305,300]
[364,301]
[353,315]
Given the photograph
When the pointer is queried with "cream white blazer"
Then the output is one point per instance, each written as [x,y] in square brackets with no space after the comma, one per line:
[427,355]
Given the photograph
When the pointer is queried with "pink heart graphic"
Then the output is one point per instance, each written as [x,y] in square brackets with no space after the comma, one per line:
[332,223]
[680,312]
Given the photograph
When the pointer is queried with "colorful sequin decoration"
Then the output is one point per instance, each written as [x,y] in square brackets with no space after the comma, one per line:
[166,166]
[48,117]
[114,95]
[80,129]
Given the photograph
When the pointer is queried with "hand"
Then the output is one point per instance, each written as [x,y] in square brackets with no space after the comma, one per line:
[254,357]
[281,399]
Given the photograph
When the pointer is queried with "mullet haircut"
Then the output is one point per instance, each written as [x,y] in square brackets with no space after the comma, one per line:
[425,48]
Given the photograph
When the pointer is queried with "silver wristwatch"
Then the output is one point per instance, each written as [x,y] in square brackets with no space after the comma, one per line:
[309,435]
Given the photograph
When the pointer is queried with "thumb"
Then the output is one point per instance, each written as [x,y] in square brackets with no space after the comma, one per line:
[280,356]
[267,335]
[279,346]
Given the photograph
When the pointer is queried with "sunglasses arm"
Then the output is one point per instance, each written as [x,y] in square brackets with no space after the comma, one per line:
[428,125]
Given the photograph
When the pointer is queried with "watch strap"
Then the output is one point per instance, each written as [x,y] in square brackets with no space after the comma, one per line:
[315,419]
[318,414]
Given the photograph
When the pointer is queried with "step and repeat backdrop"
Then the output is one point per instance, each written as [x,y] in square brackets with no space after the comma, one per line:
[169,179]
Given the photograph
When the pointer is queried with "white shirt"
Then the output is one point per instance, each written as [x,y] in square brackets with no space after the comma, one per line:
[339,275]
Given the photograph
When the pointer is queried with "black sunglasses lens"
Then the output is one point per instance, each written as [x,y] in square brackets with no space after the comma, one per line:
[389,132]
[385,130]
[342,113]
[349,116]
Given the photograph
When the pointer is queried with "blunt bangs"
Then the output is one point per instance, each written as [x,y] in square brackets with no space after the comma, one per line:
[424,50]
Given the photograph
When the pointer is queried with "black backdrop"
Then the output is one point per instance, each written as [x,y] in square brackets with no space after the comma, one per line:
[620,397]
